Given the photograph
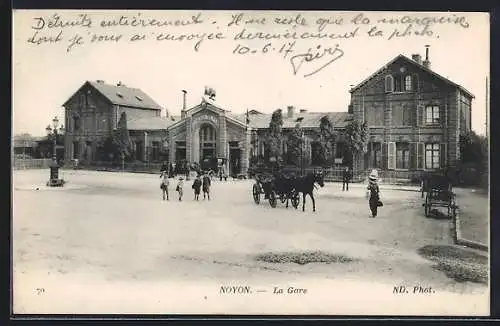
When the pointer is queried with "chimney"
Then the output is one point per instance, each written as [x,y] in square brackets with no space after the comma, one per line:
[183,111]
[303,111]
[119,83]
[427,63]
[290,111]
[100,81]
[417,58]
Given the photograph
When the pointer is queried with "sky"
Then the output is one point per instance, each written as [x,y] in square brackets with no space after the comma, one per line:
[46,75]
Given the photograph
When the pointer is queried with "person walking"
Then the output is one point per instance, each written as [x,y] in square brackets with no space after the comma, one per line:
[206,186]
[164,184]
[196,187]
[373,193]
[179,188]
[346,178]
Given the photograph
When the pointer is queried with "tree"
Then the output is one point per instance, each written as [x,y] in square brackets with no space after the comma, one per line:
[356,134]
[294,146]
[274,136]
[117,145]
[323,145]
[474,150]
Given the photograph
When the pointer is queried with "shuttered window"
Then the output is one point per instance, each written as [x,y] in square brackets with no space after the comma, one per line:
[391,156]
[402,155]
[432,156]
[420,156]
[389,84]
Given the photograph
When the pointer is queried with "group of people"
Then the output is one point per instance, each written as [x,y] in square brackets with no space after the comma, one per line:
[373,190]
[199,184]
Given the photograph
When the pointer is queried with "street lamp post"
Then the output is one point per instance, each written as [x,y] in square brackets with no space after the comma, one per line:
[54,180]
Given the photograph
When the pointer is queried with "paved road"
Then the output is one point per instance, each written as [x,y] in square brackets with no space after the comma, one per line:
[108,243]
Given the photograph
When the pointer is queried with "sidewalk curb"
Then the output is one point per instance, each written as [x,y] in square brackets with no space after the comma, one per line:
[460,240]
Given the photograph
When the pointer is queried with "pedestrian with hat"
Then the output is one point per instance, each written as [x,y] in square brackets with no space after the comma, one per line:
[179,188]
[373,193]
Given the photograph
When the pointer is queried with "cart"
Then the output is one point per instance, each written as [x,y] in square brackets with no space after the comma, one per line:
[439,193]
[265,185]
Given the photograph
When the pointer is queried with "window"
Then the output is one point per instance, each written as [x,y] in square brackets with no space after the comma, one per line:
[138,98]
[408,83]
[402,156]
[432,114]
[233,144]
[374,115]
[119,95]
[389,84]
[398,83]
[432,156]
[76,123]
[401,114]
[401,82]
[155,150]
[375,155]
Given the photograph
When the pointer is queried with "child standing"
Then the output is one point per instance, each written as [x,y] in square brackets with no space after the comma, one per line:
[179,188]
[206,186]
[196,186]
[164,184]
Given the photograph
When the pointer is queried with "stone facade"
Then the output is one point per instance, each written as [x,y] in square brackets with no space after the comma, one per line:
[90,116]
[409,109]
[207,133]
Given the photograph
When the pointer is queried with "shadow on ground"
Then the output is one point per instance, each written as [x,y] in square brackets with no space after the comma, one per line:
[457,263]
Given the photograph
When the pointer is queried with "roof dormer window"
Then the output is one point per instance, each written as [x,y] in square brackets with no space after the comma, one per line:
[119,95]
[138,98]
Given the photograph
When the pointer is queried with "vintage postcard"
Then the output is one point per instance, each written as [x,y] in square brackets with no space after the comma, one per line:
[250,162]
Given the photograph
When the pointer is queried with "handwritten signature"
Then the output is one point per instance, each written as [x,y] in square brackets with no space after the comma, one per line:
[309,59]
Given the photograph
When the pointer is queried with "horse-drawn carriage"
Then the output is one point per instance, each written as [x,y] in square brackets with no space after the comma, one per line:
[283,186]
[439,193]
[273,189]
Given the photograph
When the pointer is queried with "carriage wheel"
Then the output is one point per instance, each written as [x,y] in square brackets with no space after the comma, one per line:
[272,199]
[256,194]
[427,205]
[295,200]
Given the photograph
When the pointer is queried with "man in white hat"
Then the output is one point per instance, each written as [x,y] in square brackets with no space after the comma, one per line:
[374,192]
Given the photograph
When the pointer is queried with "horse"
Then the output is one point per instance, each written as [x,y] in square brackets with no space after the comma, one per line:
[284,185]
[306,184]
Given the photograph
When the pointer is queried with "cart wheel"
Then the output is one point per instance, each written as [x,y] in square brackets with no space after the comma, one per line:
[295,201]
[272,199]
[256,194]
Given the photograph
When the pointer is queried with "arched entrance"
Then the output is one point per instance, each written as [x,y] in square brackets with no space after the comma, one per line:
[208,147]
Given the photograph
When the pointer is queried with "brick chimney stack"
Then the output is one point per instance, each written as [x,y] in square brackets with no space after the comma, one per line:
[427,63]
[183,111]
[290,111]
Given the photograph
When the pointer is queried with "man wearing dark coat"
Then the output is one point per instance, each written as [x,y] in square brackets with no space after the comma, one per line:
[346,178]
